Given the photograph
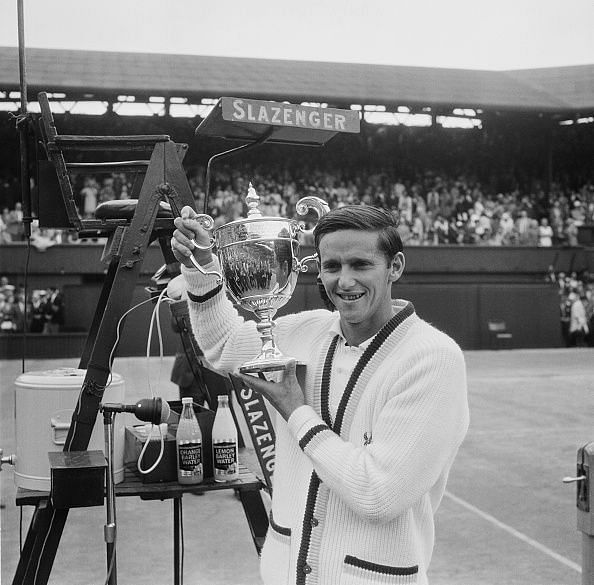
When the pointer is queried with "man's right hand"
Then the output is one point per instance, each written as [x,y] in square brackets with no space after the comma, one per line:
[188,229]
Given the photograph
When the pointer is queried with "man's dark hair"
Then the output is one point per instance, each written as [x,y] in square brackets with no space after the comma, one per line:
[362,218]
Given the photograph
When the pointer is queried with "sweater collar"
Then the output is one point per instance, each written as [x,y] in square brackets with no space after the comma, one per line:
[336,329]
[376,351]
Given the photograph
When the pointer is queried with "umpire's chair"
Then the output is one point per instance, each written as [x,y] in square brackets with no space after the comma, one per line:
[159,191]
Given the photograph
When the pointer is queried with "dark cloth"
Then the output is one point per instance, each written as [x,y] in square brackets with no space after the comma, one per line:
[183,373]
[37,318]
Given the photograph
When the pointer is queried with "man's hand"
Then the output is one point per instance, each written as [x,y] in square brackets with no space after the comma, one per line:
[286,395]
[188,229]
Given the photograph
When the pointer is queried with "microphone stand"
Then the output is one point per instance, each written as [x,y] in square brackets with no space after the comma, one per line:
[23,123]
[109,530]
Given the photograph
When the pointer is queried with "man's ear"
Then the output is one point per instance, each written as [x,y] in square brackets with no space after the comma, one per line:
[397,267]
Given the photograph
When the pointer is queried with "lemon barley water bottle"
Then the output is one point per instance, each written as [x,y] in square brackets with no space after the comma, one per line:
[190,469]
[224,443]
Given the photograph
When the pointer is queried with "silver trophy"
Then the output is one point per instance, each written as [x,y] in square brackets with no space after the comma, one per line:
[260,265]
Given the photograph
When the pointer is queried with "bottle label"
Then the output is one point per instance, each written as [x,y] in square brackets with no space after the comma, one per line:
[190,457]
[225,458]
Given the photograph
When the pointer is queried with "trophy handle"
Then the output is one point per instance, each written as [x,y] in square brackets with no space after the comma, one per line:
[207,223]
[302,266]
[306,203]
[303,206]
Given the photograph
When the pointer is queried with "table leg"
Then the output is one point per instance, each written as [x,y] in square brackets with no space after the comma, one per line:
[176,540]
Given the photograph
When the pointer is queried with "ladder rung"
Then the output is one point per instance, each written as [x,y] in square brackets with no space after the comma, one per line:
[67,142]
[106,167]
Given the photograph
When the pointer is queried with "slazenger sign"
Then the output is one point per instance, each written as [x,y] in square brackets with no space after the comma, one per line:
[290,115]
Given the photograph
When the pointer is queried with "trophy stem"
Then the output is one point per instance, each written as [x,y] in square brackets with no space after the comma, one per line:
[270,358]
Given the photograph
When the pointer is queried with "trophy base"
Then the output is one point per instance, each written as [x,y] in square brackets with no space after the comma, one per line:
[265,365]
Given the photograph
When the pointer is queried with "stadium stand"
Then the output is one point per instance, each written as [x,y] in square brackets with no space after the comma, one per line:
[519,176]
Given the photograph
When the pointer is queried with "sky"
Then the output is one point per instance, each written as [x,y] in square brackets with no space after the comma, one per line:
[468,34]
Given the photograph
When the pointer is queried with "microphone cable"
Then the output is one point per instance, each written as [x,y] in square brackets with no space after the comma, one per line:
[155,318]
[109,379]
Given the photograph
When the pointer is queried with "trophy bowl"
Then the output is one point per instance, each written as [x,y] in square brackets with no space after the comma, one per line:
[259,259]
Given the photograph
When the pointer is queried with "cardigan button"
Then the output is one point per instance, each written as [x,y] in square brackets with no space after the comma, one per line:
[314,522]
[306,569]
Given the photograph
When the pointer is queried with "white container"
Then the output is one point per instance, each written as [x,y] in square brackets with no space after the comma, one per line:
[45,401]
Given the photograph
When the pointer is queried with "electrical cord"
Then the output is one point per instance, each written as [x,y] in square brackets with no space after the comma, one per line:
[109,379]
[112,560]
[155,318]
[111,355]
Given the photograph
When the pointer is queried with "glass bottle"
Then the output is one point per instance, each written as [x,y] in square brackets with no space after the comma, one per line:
[188,441]
[224,443]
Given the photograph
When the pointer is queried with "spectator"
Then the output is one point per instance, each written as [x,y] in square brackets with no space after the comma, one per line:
[54,311]
[533,233]
[88,195]
[441,230]
[5,237]
[14,223]
[11,319]
[522,225]
[578,323]
[557,222]
[107,192]
[571,232]
[42,238]
[38,311]
[545,233]
[578,213]
[588,301]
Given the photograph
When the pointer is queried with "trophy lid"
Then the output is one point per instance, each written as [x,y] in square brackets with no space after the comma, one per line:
[256,226]
[254,214]
[253,201]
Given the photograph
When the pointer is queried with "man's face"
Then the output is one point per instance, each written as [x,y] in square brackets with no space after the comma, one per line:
[358,279]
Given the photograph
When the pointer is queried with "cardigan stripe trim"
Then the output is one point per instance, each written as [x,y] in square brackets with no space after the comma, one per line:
[377,568]
[303,569]
[312,494]
[372,348]
[311,433]
[325,388]
[277,528]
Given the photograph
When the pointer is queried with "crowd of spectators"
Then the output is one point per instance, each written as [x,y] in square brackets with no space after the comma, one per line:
[434,209]
[576,303]
[41,312]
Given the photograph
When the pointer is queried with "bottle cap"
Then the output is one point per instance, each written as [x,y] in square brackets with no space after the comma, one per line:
[223,398]
[187,400]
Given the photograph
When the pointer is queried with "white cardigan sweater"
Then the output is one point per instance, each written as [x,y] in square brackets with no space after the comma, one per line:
[354,498]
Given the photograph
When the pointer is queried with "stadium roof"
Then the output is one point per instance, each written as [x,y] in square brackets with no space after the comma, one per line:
[563,90]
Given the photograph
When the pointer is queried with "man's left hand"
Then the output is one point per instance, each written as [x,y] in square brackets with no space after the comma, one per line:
[286,395]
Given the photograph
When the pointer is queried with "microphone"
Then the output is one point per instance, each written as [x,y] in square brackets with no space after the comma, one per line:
[153,410]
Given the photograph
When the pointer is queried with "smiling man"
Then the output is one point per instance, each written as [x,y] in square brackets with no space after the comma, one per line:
[366,438]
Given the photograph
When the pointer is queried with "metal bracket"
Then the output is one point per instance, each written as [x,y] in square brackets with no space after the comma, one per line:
[582,491]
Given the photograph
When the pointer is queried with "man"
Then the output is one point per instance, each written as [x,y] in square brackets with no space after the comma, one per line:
[55,311]
[367,440]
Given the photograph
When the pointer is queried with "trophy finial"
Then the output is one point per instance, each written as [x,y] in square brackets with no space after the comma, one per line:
[253,200]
